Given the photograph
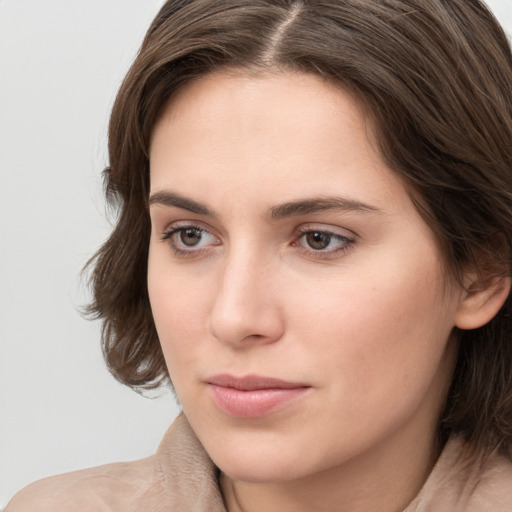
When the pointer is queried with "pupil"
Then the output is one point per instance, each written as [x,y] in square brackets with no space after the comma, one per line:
[191,236]
[317,240]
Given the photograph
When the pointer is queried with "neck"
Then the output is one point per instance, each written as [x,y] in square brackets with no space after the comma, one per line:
[385,481]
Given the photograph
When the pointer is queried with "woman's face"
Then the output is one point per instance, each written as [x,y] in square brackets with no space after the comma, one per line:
[299,297]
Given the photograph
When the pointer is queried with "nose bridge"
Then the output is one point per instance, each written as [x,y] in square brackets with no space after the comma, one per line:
[246,305]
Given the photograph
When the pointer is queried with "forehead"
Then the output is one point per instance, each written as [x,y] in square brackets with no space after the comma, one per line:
[266,87]
[227,132]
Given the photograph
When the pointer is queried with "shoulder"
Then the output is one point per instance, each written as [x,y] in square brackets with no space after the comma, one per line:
[494,486]
[463,480]
[110,488]
[180,476]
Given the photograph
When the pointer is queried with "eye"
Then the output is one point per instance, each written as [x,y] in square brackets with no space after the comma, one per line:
[322,243]
[317,240]
[190,236]
[188,240]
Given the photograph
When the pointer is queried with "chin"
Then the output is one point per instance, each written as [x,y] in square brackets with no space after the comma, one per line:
[261,473]
[262,463]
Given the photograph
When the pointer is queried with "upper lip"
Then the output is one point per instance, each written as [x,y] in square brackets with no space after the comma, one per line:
[253,382]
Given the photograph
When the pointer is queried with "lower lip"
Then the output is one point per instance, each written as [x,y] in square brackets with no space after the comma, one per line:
[253,403]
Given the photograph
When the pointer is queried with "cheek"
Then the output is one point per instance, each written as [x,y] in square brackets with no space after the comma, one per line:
[380,330]
[176,313]
[179,309]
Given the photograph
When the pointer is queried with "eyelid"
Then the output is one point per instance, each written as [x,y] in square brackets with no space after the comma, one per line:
[175,227]
[187,223]
[346,237]
[326,228]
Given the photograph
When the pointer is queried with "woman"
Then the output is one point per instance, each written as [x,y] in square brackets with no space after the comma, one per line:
[313,245]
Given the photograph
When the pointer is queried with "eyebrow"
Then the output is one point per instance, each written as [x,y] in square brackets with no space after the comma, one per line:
[167,198]
[320,204]
[289,209]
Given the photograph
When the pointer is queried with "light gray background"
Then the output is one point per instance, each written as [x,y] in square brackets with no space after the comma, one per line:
[61,62]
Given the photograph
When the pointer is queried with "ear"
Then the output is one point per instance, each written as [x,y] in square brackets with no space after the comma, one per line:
[481,300]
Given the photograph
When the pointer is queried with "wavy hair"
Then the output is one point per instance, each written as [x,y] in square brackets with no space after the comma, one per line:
[435,76]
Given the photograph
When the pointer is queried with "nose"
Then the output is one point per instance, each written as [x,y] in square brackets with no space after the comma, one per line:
[246,308]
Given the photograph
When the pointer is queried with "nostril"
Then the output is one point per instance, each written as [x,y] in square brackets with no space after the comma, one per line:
[256,336]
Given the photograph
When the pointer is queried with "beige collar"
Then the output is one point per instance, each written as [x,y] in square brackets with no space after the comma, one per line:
[453,486]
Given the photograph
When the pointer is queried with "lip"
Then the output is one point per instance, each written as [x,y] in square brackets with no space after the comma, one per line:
[252,396]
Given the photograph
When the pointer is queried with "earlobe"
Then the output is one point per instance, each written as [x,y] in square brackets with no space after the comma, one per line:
[481,301]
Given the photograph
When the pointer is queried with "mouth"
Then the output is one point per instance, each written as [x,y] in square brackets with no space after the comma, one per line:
[253,396]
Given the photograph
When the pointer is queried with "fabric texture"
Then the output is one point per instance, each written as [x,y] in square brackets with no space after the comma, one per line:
[180,477]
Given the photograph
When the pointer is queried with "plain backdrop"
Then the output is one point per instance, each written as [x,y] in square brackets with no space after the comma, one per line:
[61,62]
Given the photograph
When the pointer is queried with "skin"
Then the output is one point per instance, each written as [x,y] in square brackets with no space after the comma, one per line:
[365,321]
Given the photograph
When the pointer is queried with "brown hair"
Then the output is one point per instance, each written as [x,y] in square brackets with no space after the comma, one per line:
[436,78]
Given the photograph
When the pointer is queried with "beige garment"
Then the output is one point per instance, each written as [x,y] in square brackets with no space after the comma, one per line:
[180,477]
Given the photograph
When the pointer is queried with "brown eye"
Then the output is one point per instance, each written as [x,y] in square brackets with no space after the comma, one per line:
[189,240]
[323,244]
[190,236]
[318,240]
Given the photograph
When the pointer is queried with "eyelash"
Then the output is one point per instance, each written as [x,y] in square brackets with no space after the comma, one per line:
[184,253]
[345,242]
